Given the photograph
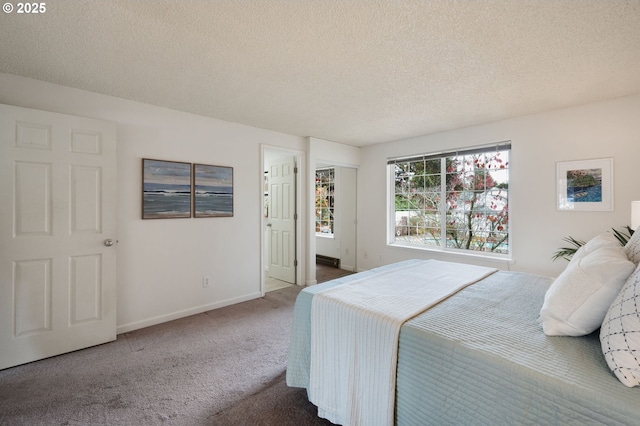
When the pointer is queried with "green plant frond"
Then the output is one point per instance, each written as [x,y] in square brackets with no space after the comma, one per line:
[567,252]
[575,242]
[621,236]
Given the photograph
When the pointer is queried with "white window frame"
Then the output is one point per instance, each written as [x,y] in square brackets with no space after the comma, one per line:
[442,248]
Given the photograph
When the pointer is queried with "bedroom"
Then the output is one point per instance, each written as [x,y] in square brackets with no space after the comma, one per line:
[161,263]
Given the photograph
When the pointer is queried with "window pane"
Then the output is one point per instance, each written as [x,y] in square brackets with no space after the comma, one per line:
[325,196]
[475,199]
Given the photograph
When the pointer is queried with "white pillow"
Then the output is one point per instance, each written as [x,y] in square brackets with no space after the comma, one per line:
[620,333]
[578,299]
[632,248]
[606,239]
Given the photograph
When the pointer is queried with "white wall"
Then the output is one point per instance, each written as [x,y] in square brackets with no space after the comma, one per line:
[161,262]
[348,218]
[597,130]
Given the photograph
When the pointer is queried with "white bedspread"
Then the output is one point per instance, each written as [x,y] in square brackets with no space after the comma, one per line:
[354,337]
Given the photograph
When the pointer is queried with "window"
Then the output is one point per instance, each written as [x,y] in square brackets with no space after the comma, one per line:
[325,197]
[453,200]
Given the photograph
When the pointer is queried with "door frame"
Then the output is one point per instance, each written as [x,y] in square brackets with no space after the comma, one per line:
[266,150]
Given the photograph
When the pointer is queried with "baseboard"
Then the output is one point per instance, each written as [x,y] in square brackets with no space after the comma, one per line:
[136,325]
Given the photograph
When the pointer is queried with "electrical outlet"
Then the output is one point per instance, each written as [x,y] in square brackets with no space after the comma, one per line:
[206,281]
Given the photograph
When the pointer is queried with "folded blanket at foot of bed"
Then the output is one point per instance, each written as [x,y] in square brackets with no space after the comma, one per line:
[349,382]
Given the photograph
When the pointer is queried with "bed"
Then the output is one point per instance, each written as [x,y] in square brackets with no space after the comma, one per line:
[480,357]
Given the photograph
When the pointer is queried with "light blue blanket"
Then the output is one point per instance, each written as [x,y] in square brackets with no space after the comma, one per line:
[481,358]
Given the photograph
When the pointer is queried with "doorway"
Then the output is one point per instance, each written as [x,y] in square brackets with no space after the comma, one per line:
[335,219]
[280,224]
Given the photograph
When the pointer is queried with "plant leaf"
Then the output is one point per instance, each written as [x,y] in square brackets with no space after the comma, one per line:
[622,237]
[567,253]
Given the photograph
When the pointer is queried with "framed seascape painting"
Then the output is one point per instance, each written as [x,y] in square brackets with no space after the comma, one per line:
[585,185]
[166,189]
[213,191]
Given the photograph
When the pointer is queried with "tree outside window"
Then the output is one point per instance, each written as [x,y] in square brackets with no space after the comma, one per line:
[454,200]
[325,197]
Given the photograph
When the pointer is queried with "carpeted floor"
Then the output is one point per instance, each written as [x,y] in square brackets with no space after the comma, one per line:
[223,367]
[277,404]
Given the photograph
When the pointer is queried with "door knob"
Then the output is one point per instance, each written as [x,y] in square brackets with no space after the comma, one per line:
[269,225]
[109,242]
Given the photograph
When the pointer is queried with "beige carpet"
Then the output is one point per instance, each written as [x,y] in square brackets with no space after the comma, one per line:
[223,367]
[277,404]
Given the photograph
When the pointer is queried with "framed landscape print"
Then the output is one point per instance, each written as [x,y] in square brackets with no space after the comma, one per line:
[166,189]
[213,191]
[585,185]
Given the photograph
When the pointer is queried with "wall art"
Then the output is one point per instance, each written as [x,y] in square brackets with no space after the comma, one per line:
[585,185]
[213,191]
[166,189]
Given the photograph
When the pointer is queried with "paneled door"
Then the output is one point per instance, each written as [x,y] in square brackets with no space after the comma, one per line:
[57,234]
[282,219]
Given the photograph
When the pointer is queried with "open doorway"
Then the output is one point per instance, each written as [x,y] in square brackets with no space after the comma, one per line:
[327,154]
[335,220]
[280,224]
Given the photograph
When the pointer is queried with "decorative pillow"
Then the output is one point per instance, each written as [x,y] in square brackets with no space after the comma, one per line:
[620,333]
[606,239]
[578,299]
[632,248]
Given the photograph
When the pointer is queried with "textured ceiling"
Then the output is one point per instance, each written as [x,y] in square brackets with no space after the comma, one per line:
[350,71]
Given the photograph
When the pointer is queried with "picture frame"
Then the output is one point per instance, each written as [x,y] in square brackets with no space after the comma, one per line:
[585,185]
[212,191]
[166,189]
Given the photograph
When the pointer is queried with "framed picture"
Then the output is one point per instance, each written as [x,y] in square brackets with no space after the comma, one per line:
[213,191]
[585,185]
[166,189]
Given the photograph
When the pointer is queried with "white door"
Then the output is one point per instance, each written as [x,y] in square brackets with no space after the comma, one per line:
[57,223]
[282,219]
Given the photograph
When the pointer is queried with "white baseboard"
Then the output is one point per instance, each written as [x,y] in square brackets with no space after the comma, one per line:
[124,328]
